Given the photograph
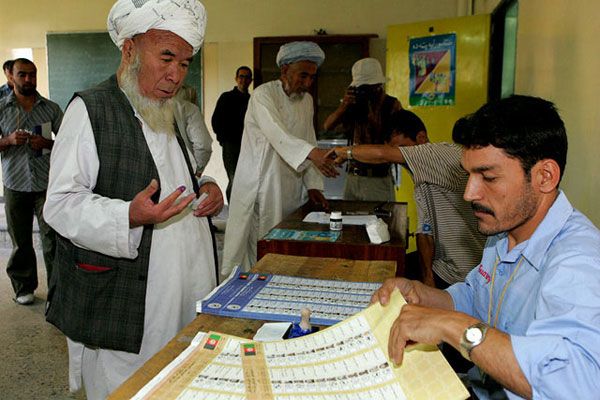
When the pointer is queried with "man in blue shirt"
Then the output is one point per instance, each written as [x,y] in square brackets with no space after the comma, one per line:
[528,316]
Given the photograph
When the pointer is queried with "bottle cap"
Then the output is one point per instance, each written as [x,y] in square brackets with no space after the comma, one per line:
[336,215]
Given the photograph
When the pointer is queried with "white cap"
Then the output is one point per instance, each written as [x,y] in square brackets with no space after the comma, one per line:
[367,72]
[335,215]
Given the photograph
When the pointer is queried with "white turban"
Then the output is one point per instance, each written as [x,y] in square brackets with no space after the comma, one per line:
[300,51]
[185,18]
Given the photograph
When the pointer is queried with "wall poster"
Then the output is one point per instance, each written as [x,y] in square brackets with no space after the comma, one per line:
[432,70]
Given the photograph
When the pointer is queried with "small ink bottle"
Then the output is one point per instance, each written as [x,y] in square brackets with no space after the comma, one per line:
[303,327]
[335,221]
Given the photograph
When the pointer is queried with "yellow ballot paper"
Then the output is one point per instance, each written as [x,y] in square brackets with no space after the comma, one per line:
[346,361]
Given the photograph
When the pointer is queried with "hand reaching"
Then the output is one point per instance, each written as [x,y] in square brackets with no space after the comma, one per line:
[408,288]
[339,155]
[325,165]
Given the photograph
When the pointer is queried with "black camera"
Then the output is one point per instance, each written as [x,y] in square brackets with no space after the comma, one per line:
[360,92]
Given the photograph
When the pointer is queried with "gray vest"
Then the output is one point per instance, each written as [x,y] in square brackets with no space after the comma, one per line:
[105,308]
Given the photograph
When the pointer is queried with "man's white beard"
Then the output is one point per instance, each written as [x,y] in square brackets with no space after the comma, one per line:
[158,114]
[292,96]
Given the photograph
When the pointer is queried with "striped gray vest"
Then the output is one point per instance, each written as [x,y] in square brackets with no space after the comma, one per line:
[105,308]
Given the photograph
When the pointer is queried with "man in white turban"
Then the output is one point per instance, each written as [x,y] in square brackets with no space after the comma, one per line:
[133,257]
[279,164]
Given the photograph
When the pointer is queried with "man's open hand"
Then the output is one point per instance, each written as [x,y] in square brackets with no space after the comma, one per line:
[143,211]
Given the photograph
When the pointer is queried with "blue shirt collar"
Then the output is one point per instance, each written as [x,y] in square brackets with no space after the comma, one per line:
[12,98]
[535,248]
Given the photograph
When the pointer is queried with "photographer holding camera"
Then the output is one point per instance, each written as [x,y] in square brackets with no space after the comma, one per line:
[364,115]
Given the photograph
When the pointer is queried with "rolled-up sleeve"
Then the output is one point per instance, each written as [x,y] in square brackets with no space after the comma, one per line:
[462,295]
[560,353]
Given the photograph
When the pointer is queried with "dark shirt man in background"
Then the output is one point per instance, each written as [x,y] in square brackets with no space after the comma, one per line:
[26,122]
[7,88]
[228,121]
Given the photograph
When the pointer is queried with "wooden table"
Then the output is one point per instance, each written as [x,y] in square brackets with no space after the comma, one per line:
[311,267]
[354,242]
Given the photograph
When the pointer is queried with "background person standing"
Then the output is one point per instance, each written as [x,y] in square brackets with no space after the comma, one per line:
[7,88]
[279,160]
[228,122]
[24,116]
[364,116]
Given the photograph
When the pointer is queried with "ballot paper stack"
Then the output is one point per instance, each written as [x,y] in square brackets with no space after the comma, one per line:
[346,361]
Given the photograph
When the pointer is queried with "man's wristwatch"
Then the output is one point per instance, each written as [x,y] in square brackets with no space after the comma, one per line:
[349,153]
[472,337]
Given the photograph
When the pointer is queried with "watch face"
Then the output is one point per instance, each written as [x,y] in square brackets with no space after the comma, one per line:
[473,335]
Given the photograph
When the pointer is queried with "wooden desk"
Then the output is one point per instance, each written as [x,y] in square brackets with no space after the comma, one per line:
[354,242]
[311,267]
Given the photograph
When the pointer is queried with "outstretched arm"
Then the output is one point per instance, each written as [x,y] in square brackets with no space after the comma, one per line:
[368,153]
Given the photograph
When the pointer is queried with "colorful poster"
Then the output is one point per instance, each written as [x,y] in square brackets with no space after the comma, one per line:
[432,70]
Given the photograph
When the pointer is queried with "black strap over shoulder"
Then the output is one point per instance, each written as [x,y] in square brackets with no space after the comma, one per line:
[196,187]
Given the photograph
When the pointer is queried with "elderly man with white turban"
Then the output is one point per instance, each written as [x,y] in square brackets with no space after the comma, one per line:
[279,163]
[133,257]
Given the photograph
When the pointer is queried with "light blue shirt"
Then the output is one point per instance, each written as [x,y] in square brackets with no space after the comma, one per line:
[551,310]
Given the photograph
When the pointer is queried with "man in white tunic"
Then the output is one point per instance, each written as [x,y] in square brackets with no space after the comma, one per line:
[134,257]
[279,163]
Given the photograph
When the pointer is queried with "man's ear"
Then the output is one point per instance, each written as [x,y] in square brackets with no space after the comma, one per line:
[422,137]
[284,69]
[128,50]
[546,174]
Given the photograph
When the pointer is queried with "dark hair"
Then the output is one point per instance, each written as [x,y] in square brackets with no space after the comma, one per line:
[8,64]
[406,123]
[237,72]
[22,61]
[526,128]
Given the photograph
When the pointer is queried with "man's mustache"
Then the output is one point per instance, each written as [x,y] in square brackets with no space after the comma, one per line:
[479,208]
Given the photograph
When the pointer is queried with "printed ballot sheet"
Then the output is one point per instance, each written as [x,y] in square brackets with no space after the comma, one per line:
[347,361]
[281,298]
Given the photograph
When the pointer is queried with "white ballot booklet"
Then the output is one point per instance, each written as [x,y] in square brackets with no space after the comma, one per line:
[347,361]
